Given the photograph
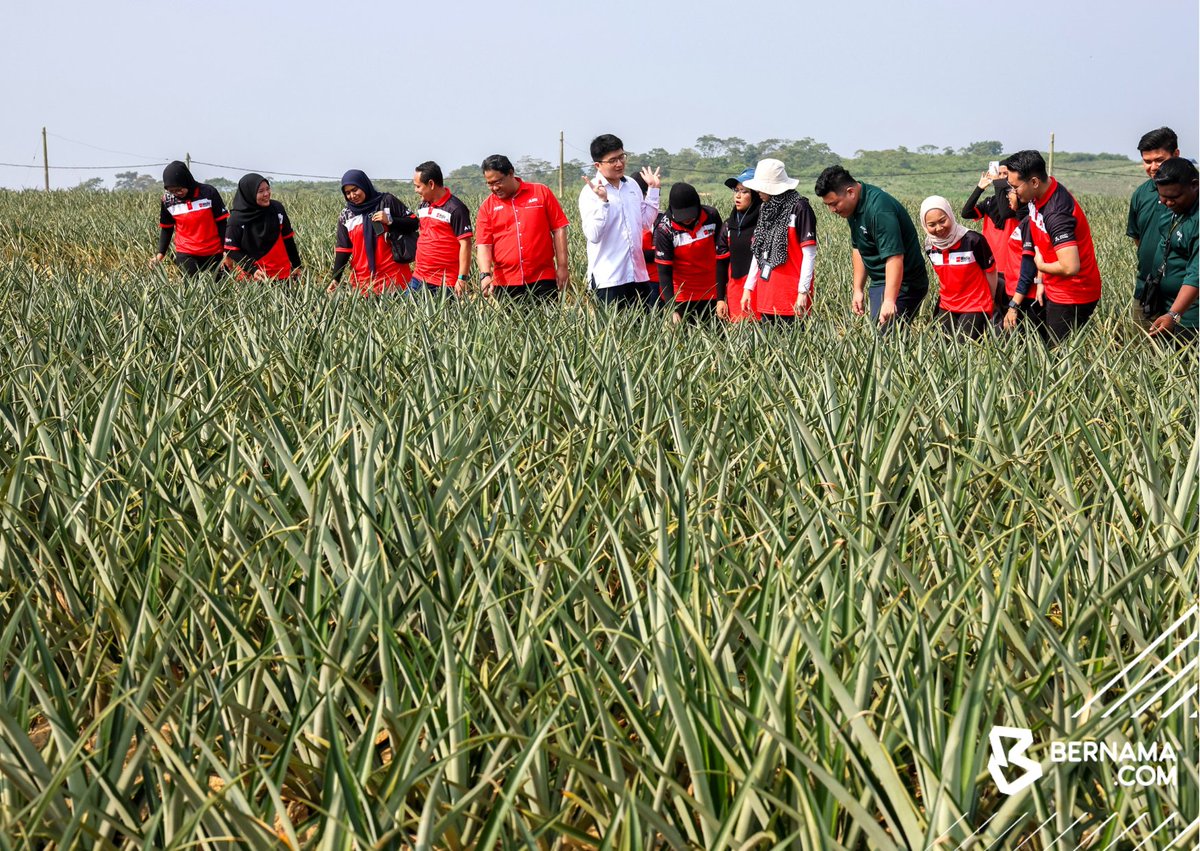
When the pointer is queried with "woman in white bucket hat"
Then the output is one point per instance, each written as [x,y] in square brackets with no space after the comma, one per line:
[784,246]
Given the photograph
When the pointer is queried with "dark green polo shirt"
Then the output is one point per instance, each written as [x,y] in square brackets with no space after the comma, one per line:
[1181,271]
[1147,220]
[881,228]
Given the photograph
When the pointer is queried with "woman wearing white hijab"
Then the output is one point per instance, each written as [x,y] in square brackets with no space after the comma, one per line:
[965,267]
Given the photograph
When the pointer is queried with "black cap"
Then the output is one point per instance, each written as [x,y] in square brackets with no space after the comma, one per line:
[683,204]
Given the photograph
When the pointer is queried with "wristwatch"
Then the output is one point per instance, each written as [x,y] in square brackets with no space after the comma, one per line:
[1175,317]
[1012,305]
[483,275]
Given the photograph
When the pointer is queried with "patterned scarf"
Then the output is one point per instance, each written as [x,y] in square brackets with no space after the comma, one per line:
[770,243]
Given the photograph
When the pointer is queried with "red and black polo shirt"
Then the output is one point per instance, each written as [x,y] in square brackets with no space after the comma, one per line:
[1056,222]
[777,295]
[277,262]
[352,229]
[443,224]
[692,253]
[519,230]
[961,272]
[195,220]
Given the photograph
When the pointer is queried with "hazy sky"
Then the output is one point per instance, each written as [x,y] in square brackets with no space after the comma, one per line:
[318,88]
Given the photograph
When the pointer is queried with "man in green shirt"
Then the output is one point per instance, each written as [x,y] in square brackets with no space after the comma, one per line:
[1178,189]
[1147,217]
[885,246]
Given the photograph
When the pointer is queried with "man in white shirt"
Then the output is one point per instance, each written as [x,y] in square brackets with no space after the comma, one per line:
[613,214]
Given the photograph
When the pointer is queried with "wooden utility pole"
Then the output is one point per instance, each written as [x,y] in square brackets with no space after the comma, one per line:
[1050,166]
[45,159]
[188,159]
[560,163]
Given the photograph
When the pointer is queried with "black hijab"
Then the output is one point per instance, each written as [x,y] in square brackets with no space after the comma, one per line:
[177,174]
[741,230]
[260,225]
[370,204]
[1000,211]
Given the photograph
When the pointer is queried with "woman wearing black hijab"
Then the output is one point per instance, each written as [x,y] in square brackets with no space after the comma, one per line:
[259,238]
[739,228]
[370,237]
[194,214]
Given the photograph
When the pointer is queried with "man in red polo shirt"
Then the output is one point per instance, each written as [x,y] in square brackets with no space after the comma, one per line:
[444,242]
[521,236]
[1062,240]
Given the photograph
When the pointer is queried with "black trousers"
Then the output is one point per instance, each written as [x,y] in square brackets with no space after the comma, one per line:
[1059,320]
[696,312]
[969,325]
[634,294]
[777,319]
[193,264]
[547,289]
[999,300]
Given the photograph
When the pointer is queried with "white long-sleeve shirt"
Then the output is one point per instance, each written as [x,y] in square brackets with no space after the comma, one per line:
[614,231]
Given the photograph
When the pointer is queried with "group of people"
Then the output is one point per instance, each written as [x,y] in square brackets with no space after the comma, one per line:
[1034,263]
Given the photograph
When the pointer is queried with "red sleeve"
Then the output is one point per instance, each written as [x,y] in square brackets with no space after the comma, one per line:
[554,211]
[483,223]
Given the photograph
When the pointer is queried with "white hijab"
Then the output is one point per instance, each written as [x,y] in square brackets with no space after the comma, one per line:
[957,231]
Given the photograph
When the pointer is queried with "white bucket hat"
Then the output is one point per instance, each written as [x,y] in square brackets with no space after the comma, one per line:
[770,176]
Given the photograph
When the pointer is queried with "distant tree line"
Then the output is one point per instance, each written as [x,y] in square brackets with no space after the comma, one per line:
[708,162]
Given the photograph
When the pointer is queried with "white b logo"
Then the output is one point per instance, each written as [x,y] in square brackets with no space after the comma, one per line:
[1002,758]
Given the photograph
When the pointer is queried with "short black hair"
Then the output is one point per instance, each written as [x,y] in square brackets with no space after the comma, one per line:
[1176,171]
[1162,139]
[833,179]
[1028,164]
[605,144]
[428,171]
[498,162]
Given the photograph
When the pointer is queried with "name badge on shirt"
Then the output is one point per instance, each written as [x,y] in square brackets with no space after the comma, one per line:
[705,232]
[437,215]
[189,207]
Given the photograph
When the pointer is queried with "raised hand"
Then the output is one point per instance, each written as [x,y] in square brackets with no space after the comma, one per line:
[599,188]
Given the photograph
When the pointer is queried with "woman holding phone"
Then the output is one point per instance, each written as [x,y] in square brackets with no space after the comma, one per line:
[371,232]
[999,221]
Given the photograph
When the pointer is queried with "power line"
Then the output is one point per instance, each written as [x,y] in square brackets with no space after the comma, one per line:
[108,150]
[724,173]
[82,167]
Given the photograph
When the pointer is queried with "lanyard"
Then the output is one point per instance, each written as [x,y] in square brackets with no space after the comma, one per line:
[1166,244]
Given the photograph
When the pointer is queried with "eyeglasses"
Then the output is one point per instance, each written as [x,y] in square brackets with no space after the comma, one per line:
[619,158]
